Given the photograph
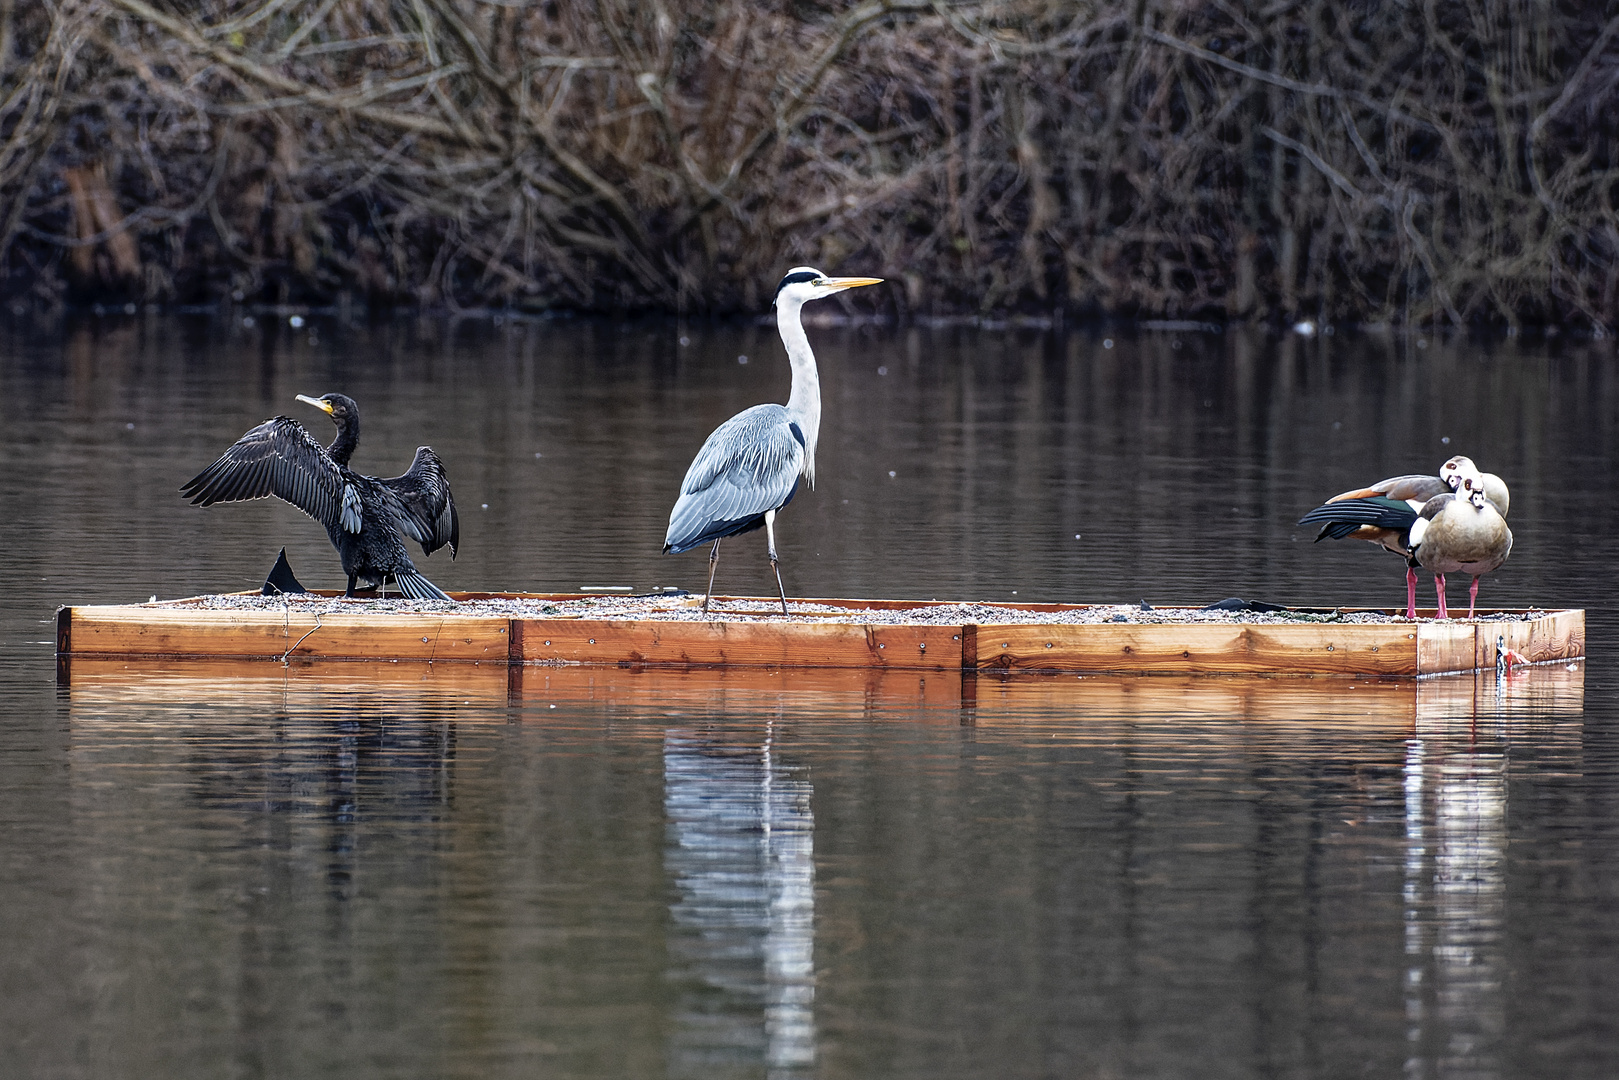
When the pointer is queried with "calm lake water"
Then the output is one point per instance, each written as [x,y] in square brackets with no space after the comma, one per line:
[378,871]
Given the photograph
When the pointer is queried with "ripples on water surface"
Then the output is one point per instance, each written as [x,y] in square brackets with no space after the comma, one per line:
[379,870]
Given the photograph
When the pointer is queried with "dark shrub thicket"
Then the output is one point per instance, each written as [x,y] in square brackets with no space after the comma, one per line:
[1372,160]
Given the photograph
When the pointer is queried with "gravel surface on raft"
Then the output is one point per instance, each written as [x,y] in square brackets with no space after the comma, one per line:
[689,609]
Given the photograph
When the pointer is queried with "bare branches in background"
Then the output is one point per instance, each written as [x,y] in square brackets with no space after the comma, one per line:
[1450,161]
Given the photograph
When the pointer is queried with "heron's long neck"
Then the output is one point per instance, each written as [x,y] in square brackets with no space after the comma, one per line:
[348,437]
[804,405]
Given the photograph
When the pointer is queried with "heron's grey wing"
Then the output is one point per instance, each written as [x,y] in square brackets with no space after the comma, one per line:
[280,458]
[425,508]
[749,465]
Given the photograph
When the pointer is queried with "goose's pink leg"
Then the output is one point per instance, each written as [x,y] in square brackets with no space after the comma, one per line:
[1410,592]
[1472,598]
[1439,587]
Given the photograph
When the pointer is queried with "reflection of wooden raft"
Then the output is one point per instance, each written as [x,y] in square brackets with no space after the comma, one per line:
[1543,699]
[182,630]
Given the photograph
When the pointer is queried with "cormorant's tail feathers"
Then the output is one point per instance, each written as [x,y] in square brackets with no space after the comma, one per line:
[281,579]
[416,587]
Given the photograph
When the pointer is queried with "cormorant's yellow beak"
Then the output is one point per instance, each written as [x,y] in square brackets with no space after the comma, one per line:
[849,282]
[323,406]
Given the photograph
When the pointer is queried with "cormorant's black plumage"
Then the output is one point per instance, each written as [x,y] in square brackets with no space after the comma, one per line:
[363,515]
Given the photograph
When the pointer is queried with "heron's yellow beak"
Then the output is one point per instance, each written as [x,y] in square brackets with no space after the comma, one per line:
[850,282]
[323,406]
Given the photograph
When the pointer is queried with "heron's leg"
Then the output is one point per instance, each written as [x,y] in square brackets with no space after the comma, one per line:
[713,565]
[1410,592]
[1439,588]
[770,539]
[350,591]
[1472,598]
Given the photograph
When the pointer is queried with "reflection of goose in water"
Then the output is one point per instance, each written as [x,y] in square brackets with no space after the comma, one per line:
[741,849]
[363,515]
[1455,814]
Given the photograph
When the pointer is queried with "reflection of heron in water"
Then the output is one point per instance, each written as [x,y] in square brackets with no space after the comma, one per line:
[742,855]
[363,515]
[749,467]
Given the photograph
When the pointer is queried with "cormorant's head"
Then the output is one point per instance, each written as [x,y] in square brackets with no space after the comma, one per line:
[804,283]
[341,409]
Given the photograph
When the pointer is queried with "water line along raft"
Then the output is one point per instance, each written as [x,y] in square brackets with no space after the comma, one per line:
[522,629]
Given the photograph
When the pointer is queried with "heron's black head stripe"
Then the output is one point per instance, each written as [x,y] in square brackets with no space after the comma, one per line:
[802,275]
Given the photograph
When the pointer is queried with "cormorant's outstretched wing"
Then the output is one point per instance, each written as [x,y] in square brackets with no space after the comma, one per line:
[280,458]
[426,509]
[748,466]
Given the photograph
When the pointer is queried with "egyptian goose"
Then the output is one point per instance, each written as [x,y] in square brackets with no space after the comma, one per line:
[1463,531]
[1383,513]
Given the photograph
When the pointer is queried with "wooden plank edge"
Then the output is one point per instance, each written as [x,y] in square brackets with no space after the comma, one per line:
[1462,645]
[277,658]
[969,662]
[64,647]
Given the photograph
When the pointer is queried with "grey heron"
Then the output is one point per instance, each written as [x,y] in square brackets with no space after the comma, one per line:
[363,515]
[748,469]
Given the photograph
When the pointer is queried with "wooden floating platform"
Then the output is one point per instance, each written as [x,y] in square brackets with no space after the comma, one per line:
[835,638]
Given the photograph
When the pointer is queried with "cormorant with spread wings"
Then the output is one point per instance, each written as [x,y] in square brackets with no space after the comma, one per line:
[363,515]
